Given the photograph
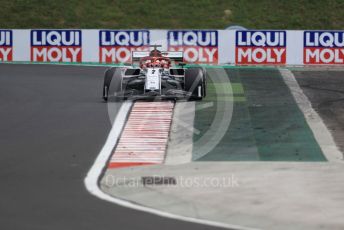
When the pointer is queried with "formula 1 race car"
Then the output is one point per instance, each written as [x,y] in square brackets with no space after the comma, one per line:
[155,74]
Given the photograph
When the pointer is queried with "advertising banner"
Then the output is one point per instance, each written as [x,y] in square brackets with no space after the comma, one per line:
[55,46]
[198,46]
[115,46]
[260,47]
[323,47]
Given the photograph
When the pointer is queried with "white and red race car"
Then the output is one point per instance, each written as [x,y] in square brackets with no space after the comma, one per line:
[155,74]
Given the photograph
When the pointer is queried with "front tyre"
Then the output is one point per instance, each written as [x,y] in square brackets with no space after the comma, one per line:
[115,90]
[107,81]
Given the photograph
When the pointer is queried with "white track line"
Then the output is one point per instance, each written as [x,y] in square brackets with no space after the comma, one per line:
[91,180]
[93,176]
[319,129]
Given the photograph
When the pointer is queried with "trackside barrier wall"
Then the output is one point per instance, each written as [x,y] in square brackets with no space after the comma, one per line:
[242,47]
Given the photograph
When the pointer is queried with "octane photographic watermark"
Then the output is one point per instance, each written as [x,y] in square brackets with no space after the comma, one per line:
[230,181]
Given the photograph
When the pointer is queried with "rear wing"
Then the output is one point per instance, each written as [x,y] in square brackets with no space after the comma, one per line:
[176,56]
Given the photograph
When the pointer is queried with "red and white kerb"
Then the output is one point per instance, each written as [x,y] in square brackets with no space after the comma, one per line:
[145,135]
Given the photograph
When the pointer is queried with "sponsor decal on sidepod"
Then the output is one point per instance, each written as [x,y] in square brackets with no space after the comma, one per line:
[115,46]
[323,47]
[56,46]
[199,46]
[260,47]
[6,48]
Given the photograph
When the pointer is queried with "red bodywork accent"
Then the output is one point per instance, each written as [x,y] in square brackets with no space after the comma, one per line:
[127,164]
[155,61]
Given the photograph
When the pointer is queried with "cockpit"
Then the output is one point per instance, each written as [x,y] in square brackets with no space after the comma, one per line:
[158,62]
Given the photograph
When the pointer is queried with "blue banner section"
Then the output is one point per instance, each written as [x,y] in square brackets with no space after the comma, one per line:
[325,39]
[131,38]
[260,38]
[206,38]
[6,38]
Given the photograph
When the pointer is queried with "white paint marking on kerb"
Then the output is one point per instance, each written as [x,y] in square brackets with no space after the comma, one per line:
[319,129]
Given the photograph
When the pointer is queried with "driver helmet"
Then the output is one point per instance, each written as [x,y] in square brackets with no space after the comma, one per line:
[155,53]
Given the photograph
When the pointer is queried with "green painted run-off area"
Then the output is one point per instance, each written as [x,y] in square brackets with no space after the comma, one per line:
[266,123]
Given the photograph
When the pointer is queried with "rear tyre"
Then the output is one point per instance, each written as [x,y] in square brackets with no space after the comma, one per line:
[195,83]
[115,91]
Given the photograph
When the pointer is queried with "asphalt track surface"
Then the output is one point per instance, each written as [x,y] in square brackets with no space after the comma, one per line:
[325,90]
[53,125]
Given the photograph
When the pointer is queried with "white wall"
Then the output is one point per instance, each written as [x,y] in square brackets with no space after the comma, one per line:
[202,46]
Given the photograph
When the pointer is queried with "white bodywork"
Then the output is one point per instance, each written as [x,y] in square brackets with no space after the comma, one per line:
[168,54]
[152,79]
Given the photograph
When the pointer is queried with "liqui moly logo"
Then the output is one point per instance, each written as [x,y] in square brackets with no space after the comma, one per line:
[260,47]
[323,47]
[198,46]
[56,46]
[6,48]
[115,46]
